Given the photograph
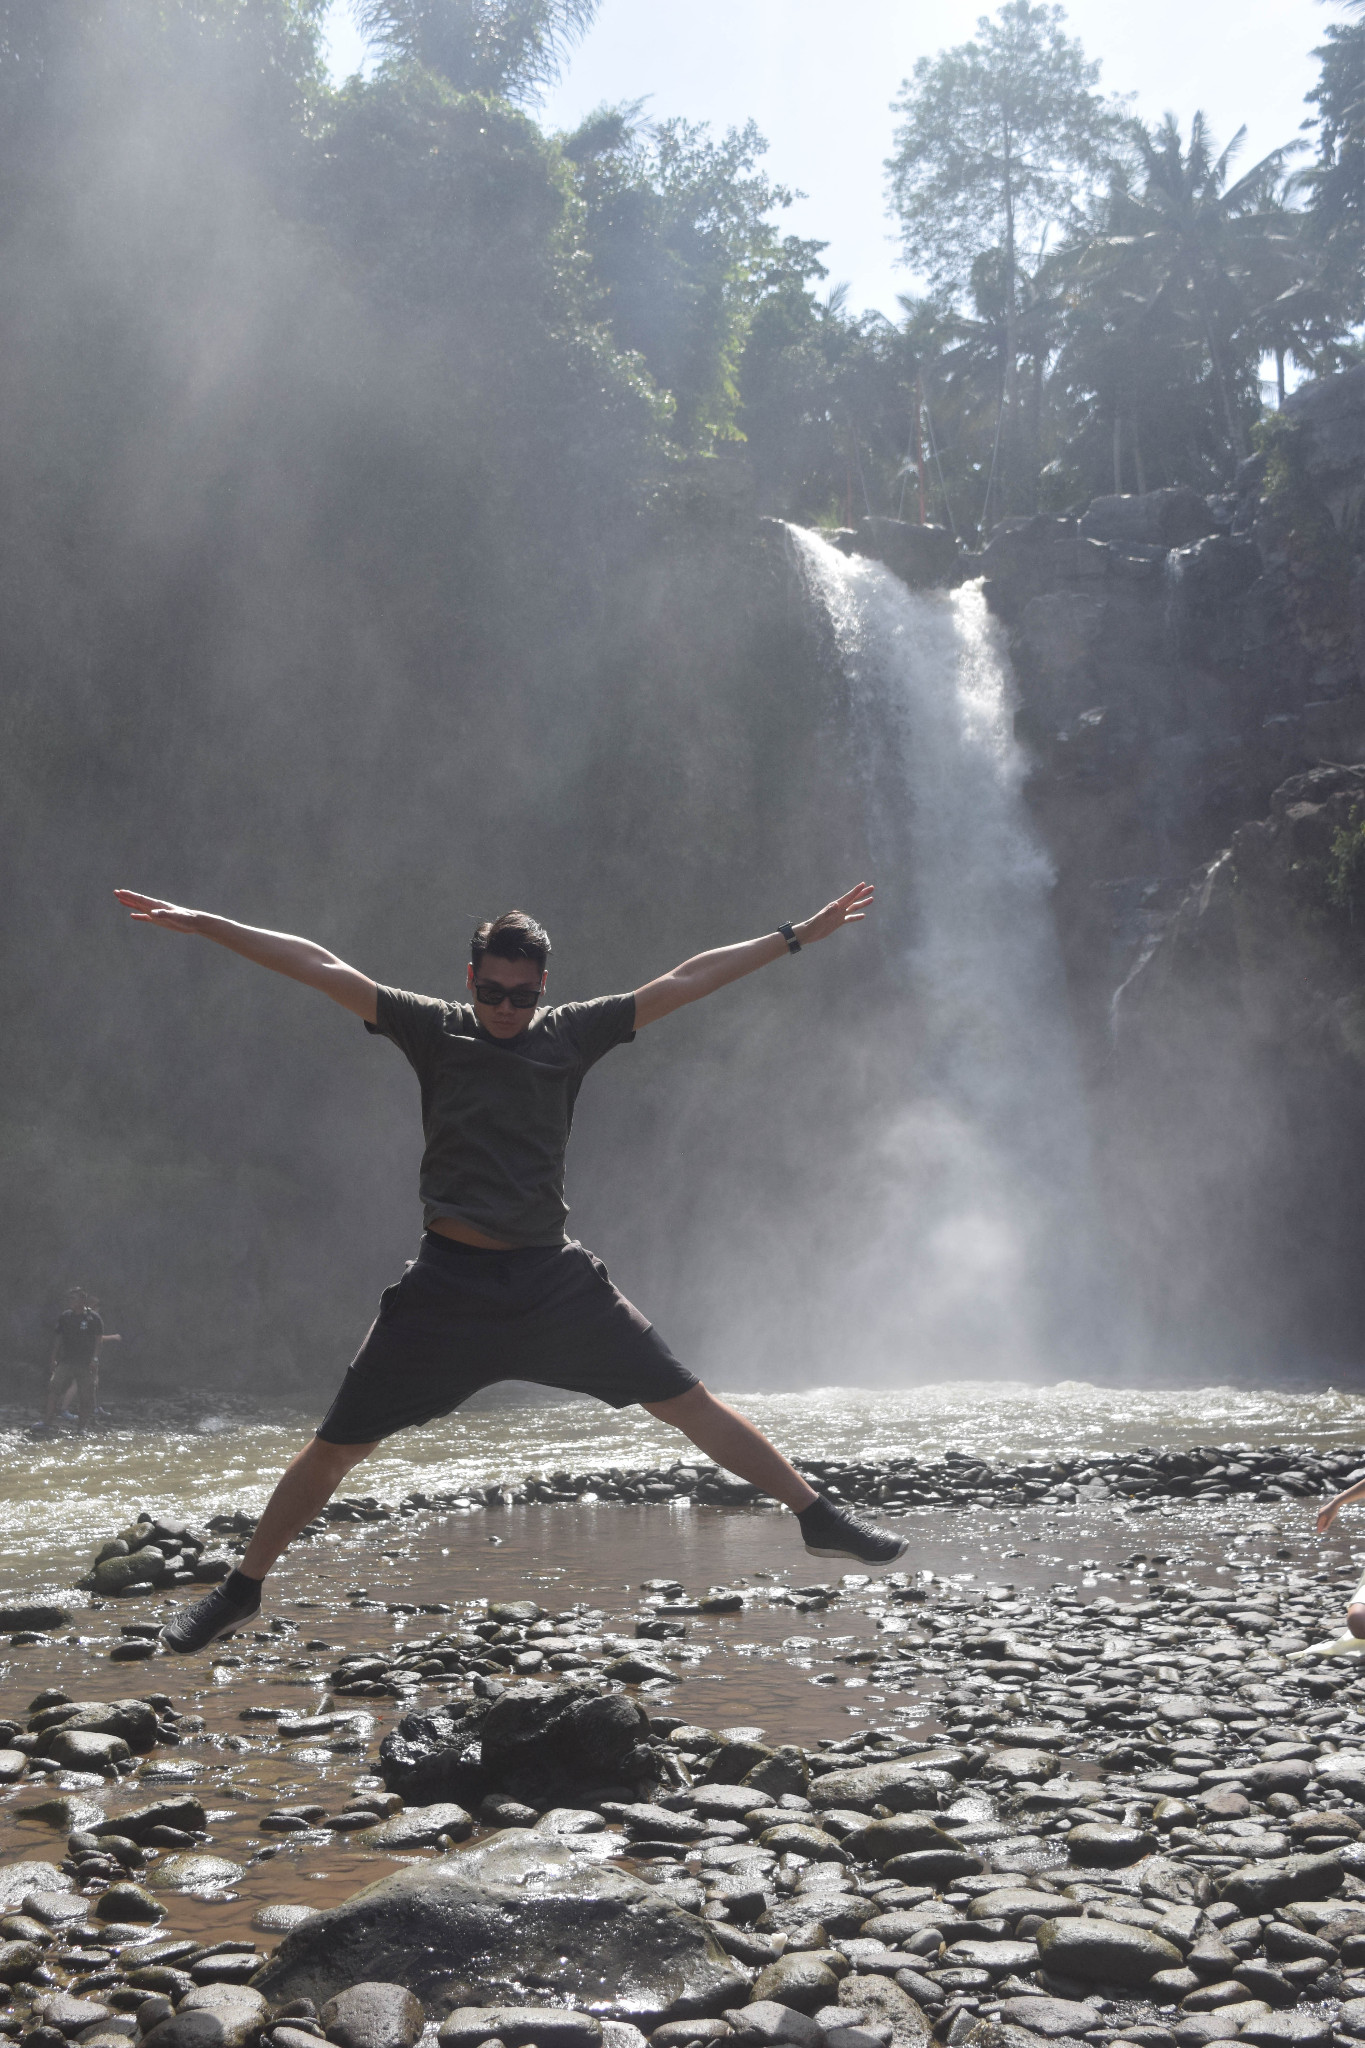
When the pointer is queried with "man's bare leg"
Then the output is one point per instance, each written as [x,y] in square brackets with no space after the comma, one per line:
[731,1439]
[827,1529]
[87,1397]
[306,1484]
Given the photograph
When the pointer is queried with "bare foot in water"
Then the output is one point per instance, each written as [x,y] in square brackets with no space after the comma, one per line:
[1355,1618]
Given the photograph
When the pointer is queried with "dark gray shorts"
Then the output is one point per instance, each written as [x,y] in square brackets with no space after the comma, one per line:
[461,1319]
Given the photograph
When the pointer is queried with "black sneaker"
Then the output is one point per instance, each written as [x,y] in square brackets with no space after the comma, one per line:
[830,1531]
[194,1628]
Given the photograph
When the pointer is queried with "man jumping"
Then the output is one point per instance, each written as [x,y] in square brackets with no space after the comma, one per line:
[497,1291]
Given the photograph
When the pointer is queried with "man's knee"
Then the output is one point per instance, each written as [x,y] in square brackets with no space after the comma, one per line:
[337,1458]
[680,1409]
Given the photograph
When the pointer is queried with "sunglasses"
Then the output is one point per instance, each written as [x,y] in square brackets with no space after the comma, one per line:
[494,994]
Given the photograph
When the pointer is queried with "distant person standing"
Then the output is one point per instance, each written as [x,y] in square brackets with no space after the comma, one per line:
[74,1366]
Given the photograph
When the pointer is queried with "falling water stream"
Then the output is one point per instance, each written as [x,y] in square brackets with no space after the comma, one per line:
[974,1211]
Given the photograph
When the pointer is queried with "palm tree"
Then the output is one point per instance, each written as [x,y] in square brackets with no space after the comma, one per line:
[1198,238]
[508,48]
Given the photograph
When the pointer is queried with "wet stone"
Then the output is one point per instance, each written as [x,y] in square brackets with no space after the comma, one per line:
[768,2023]
[477,1924]
[517,2027]
[374,2016]
[70,2015]
[801,1981]
[191,1872]
[128,1902]
[1104,1845]
[418,1827]
[1105,1952]
[1052,2018]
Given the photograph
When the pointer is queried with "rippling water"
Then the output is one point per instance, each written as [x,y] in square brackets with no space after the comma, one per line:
[58,1498]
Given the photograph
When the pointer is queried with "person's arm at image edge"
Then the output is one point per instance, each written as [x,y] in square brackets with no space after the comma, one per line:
[706,972]
[299,959]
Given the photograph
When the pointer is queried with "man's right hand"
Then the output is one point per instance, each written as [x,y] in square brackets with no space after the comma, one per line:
[167,917]
[281,952]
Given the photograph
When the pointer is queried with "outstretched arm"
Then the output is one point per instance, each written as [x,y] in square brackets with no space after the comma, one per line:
[706,972]
[300,959]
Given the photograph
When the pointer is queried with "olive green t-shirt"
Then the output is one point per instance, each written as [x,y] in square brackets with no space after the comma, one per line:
[496,1113]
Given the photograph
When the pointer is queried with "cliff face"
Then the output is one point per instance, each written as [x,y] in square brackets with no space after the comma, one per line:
[1192,682]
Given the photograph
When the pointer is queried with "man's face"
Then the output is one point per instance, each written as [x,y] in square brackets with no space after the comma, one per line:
[501,1020]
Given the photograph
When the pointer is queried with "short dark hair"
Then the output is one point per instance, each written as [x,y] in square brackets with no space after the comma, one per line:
[513,936]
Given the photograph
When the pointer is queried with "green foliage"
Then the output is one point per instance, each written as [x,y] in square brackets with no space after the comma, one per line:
[1346,866]
[683,251]
[996,137]
[510,49]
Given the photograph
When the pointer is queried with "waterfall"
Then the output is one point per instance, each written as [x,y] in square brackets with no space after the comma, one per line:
[966,1236]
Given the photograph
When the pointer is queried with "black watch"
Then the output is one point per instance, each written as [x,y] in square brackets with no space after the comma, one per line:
[793,943]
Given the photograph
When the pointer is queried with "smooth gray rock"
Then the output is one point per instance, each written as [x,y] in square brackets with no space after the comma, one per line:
[1104,1845]
[241,1999]
[803,1981]
[281,1919]
[901,1786]
[417,1827]
[1343,1776]
[773,2025]
[1289,2030]
[1105,1952]
[184,1812]
[69,2015]
[134,1720]
[1014,1765]
[54,1909]
[35,1616]
[880,1840]
[128,1902]
[199,2027]
[1174,1883]
[1052,2018]
[934,1867]
[547,2026]
[78,1749]
[18,1879]
[802,1839]
[375,2016]
[726,1802]
[137,1568]
[1260,1887]
[1011,1903]
[878,1999]
[17,1959]
[522,1907]
[190,1870]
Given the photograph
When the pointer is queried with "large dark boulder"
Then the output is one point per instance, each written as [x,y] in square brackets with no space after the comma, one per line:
[550,1742]
[435,1759]
[1171,518]
[506,1922]
[919,555]
[1331,414]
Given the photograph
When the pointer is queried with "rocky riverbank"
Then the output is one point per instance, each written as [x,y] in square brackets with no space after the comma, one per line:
[1089,1814]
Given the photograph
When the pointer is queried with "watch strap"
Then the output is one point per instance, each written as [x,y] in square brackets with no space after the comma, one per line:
[793,943]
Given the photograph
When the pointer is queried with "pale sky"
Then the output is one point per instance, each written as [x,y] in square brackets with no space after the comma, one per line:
[819,81]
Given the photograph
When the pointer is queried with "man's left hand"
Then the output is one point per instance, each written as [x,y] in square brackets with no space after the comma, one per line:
[850,908]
